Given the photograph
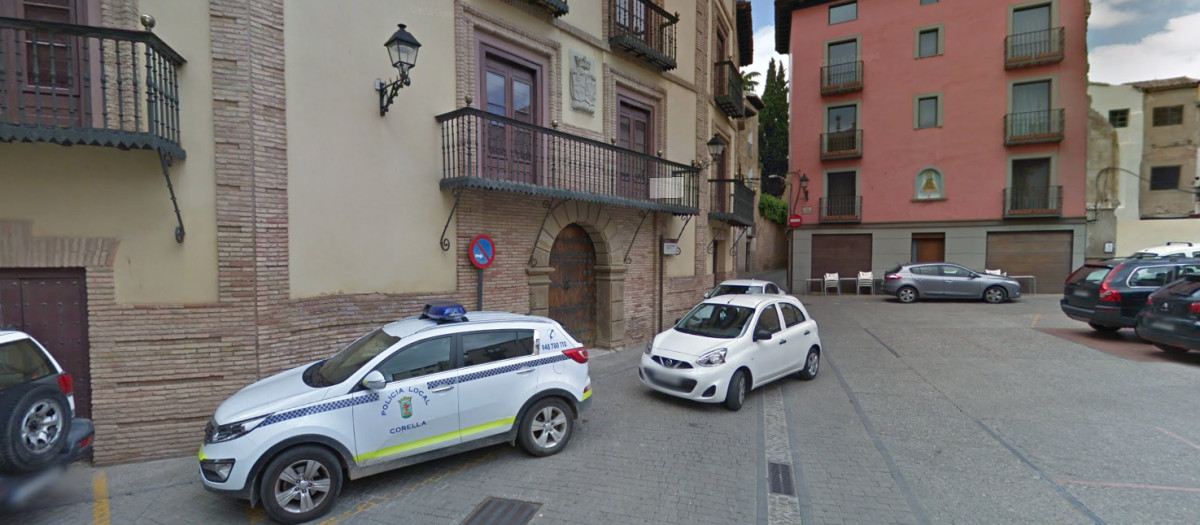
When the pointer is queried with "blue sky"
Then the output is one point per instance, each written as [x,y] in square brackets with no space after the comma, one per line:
[1128,40]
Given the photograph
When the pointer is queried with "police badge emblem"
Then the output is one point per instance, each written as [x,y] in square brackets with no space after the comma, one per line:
[406,407]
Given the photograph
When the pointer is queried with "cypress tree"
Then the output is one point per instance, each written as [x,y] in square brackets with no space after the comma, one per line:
[773,130]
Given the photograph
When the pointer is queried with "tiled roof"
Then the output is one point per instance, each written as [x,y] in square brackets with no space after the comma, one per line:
[1166,84]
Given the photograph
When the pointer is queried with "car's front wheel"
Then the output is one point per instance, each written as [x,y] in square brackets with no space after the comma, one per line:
[301,484]
[36,421]
[811,365]
[547,427]
[736,395]
[995,295]
[907,294]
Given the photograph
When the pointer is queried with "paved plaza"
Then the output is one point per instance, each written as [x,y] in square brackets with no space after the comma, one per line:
[935,412]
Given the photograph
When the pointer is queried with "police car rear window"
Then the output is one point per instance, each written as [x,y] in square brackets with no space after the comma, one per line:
[486,347]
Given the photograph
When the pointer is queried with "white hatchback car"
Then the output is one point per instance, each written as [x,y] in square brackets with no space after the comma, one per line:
[417,389]
[730,344]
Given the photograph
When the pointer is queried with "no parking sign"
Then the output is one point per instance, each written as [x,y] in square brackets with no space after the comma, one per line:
[482,251]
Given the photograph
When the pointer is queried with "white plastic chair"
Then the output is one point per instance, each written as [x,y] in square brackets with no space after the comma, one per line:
[993,272]
[832,281]
[865,280]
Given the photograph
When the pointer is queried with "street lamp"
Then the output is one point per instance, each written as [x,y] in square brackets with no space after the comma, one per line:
[803,186]
[716,147]
[402,48]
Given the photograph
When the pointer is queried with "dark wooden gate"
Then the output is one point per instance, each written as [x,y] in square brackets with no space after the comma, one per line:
[573,283]
[51,305]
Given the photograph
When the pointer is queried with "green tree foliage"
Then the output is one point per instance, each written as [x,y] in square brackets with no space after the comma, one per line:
[772,209]
[750,81]
[773,130]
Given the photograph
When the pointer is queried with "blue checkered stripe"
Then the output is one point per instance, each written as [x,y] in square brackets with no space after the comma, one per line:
[495,371]
[323,407]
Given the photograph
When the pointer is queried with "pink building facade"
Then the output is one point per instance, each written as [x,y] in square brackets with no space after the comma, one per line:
[937,130]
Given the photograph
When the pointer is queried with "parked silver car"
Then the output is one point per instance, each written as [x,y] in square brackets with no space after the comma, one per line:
[910,282]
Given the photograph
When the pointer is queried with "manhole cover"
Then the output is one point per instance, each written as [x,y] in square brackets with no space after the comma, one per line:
[496,511]
[780,479]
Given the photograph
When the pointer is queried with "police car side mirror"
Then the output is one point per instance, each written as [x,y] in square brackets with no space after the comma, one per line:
[374,381]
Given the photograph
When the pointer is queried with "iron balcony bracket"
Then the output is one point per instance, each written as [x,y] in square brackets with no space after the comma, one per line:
[685,223]
[643,214]
[166,159]
[733,249]
[550,206]
[445,243]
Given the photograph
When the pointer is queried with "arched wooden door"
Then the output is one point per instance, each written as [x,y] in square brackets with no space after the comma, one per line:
[573,283]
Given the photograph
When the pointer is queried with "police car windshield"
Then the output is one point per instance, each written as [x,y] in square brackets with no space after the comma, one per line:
[721,321]
[339,367]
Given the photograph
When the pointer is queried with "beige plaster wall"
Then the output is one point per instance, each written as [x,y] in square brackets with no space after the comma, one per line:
[684,264]
[86,191]
[1173,145]
[365,211]
[1135,235]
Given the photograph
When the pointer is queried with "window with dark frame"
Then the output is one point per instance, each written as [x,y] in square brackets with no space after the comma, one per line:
[843,12]
[1164,178]
[1118,118]
[1168,115]
[927,2]
[927,43]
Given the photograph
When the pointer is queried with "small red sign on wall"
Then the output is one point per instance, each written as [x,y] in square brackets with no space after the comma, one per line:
[795,220]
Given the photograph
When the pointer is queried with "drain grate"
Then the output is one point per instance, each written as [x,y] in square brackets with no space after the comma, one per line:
[496,511]
[781,479]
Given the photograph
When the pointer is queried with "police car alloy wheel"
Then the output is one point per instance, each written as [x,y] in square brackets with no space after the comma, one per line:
[301,484]
[547,428]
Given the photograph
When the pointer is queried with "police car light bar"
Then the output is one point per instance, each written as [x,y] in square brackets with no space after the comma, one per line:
[444,312]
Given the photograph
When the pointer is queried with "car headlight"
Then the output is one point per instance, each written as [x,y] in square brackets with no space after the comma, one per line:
[649,346]
[714,358]
[231,431]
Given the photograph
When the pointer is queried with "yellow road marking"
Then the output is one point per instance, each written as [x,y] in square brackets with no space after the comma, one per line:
[1035,320]
[374,501]
[100,512]
[255,515]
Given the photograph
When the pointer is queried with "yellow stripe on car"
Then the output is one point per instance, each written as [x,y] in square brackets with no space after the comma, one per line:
[201,456]
[587,394]
[432,440]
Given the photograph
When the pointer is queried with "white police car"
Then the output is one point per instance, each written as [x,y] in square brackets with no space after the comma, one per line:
[416,389]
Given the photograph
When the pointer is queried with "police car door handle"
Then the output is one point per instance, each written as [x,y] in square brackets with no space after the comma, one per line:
[446,388]
[783,341]
[525,370]
[806,332]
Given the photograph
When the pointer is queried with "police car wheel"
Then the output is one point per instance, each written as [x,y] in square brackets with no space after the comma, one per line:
[301,484]
[547,427]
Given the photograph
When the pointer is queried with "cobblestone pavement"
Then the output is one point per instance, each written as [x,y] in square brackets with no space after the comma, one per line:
[954,412]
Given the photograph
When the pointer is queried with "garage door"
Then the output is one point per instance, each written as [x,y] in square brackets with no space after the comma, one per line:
[1044,255]
[845,255]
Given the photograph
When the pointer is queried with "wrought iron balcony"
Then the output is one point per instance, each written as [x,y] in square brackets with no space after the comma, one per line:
[734,207]
[1034,48]
[841,209]
[481,150]
[841,145]
[644,30]
[1029,203]
[727,89]
[82,85]
[842,78]
[556,8]
[1032,127]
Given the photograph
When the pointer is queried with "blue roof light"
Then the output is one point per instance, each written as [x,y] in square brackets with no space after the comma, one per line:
[444,312]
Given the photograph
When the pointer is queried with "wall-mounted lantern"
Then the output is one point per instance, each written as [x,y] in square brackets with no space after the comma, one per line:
[402,48]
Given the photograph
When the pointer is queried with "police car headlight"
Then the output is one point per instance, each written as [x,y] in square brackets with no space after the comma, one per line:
[714,358]
[236,430]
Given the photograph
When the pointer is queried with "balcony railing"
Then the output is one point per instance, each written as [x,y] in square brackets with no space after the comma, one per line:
[1023,203]
[841,145]
[644,30]
[1032,127]
[841,209]
[82,85]
[842,78]
[482,150]
[736,207]
[727,89]
[1034,48]
[556,8]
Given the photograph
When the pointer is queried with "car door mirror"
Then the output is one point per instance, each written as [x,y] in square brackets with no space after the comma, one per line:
[708,295]
[762,334]
[374,380]
[975,276]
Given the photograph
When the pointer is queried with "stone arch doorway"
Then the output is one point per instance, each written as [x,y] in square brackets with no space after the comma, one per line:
[608,269]
[573,283]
